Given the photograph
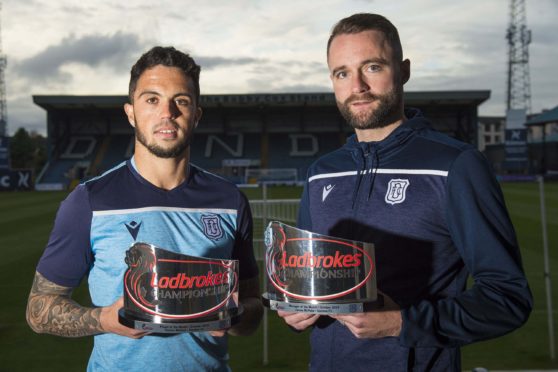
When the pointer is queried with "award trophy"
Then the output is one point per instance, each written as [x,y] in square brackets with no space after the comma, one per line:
[168,292]
[313,273]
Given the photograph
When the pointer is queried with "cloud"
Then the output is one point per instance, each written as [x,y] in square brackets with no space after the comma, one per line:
[90,50]
[304,88]
[22,113]
[263,75]
[210,62]
[245,46]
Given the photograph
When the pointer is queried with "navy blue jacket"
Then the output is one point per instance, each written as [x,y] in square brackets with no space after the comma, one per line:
[436,214]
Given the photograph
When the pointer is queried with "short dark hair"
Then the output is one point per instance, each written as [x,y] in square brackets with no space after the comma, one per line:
[165,56]
[366,22]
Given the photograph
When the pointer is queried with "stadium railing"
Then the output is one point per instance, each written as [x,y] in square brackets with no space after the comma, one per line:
[264,211]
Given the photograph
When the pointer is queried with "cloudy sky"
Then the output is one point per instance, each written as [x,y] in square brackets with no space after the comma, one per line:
[248,46]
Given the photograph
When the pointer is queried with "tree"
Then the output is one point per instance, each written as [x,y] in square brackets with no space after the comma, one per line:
[27,151]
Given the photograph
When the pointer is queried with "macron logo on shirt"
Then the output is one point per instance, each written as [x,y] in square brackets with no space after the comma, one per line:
[133,228]
[327,189]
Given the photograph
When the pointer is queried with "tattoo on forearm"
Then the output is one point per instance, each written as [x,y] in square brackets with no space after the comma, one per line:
[51,310]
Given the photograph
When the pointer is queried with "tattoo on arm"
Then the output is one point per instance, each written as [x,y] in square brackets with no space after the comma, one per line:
[50,309]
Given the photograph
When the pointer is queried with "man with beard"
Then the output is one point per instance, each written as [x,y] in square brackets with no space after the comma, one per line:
[430,205]
[157,197]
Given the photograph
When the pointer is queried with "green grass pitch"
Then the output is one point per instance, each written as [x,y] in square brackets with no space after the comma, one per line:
[26,219]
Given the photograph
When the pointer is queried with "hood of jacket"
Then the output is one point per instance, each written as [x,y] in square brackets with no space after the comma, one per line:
[368,156]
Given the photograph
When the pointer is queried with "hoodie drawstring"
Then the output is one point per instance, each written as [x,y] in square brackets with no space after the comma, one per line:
[358,155]
[364,166]
[375,166]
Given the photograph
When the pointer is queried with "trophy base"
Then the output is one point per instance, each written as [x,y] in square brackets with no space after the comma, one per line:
[323,308]
[132,321]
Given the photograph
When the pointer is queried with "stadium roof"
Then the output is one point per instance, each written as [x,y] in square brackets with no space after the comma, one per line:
[475,97]
[49,102]
[545,117]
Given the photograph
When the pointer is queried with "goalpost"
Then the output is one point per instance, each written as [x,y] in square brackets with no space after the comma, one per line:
[271,175]
[547,282]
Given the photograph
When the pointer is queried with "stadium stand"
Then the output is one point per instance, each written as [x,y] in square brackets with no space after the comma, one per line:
[88,135]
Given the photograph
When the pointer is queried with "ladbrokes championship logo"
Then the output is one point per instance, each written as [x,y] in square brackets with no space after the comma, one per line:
[304,266]
[177,287]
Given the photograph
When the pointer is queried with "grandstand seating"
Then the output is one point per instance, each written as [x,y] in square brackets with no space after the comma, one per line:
[57,171]
[73,162]
[116,152]
[209,151]
[90,134]
[283,146]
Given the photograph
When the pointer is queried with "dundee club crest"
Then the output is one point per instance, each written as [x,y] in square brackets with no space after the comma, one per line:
[396,191]
[212,226]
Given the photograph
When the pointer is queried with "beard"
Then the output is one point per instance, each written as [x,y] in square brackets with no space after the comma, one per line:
[381,116]
[164,152]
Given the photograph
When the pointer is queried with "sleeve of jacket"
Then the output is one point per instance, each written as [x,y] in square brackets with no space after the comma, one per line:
[499,299]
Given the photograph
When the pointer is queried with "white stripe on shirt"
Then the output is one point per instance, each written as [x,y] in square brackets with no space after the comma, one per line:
[431,172]
[164,209]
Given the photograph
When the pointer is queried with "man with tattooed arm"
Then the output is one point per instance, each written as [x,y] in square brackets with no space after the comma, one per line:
[157,197]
